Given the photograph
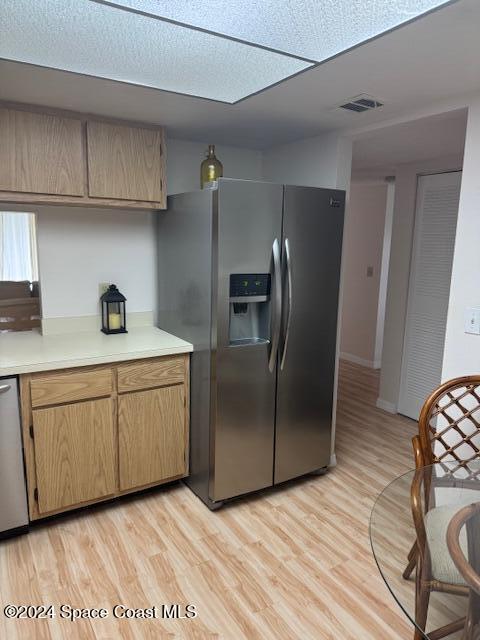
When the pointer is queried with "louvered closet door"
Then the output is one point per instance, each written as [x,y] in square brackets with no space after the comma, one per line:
[429,289]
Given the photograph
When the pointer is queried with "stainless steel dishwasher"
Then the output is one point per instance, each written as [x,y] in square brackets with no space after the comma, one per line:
[13,498]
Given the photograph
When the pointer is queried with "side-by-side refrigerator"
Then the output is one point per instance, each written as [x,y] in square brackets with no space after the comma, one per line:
[249,274]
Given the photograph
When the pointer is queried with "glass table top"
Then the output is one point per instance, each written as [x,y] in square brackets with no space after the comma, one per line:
[442,490]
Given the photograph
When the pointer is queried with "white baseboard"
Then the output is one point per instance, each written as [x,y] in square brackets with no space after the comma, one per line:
[386,406]
[350,357]
[333,460]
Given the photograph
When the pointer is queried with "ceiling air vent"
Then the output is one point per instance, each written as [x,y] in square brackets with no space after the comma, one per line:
[361,103]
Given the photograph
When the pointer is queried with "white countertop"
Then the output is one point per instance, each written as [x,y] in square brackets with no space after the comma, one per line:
[29,351]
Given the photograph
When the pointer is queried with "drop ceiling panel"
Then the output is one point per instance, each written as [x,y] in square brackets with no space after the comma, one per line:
[99,40]
[412,69]
[312,29]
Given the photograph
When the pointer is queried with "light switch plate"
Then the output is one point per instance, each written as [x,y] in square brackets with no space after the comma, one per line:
[472,321]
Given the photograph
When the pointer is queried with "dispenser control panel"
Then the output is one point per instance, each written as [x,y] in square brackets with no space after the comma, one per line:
[249,284]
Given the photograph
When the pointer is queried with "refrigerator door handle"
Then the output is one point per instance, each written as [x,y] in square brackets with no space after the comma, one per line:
[277,305]
[289,308]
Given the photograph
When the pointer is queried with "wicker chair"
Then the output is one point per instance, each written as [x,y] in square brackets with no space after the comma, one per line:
[449,434]
[469,516]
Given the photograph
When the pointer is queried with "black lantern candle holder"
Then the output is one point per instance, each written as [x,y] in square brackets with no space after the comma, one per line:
[113,311]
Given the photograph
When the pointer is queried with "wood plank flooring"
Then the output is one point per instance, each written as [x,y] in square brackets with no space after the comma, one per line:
[290,563]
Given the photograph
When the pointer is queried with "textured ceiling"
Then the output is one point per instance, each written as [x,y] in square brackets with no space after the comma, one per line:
[312,29]
[98,40]
[223,52]
[431,59]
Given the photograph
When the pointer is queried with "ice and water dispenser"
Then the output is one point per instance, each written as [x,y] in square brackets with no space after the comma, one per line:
[249,308]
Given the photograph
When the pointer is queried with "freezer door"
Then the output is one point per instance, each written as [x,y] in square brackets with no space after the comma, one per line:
[184,309]
[243,383]
[312,248]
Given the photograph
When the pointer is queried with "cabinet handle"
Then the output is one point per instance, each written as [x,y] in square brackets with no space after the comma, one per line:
[4,388]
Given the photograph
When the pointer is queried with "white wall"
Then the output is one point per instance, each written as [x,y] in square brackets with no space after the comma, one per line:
[184,158]
[382,292]
[323,161]
[462,351]
[363,245]
[79,248]
[399,272]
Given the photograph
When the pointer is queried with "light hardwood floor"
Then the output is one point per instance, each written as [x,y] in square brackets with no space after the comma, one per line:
[294,562]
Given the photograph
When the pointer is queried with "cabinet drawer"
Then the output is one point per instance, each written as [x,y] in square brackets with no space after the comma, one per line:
[61,387]
[155,373]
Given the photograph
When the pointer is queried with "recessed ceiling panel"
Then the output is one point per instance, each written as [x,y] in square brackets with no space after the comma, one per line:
[100,40]
[312,29]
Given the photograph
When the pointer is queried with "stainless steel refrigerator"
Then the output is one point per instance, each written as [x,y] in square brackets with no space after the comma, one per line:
[249,273]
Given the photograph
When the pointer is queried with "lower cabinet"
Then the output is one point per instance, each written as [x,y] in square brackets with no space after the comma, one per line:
[93,433]
[74,453]
[151,437]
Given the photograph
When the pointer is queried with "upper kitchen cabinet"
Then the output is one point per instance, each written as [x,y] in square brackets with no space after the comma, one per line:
[51,157]
[125,162]
[40,153]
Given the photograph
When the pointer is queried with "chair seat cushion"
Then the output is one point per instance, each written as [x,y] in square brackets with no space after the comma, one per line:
[436,525]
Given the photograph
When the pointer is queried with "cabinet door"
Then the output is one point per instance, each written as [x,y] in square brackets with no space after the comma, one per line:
[152,438]
[74,453]
[40,153]
[125,163]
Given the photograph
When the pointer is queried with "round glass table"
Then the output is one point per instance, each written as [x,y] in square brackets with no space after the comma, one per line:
[432,514]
